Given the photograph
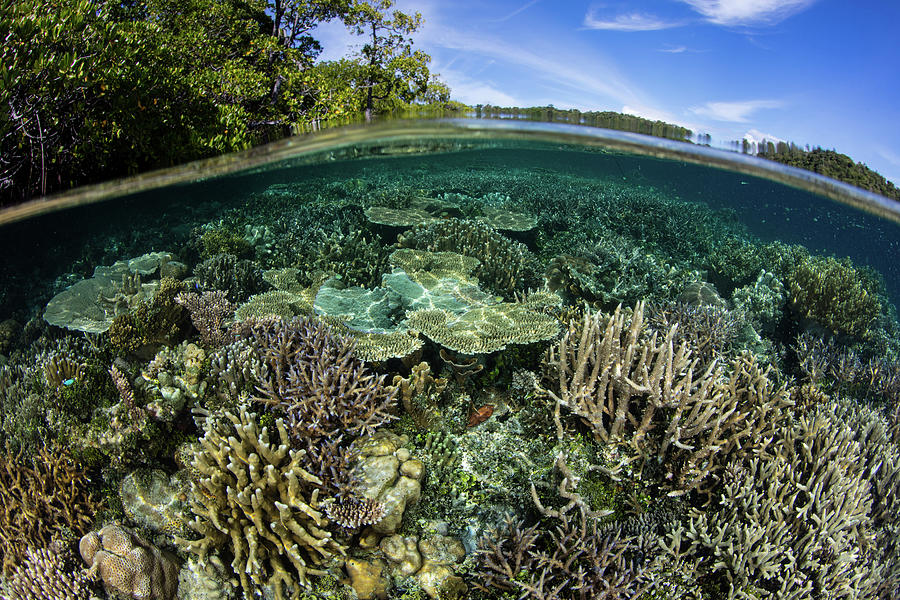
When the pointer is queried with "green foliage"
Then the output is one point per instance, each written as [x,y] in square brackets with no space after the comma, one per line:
[93,89]
[85,98]
[831,164]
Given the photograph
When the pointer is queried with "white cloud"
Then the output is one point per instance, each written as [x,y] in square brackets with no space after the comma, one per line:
[748,12]
[735,112]
[626,22]
[674,50]
[757,139]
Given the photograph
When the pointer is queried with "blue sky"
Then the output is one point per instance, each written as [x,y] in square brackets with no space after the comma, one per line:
[823,72]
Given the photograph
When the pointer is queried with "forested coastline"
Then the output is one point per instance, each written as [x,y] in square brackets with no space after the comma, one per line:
[97,89]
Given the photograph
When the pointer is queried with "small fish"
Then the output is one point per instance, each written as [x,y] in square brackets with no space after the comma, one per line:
[476,417]
[68,382]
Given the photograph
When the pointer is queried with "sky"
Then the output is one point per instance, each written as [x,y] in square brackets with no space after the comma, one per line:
[819,72]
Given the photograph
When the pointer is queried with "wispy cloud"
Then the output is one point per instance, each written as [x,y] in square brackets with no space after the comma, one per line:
[581,76]
[626,22]
[525,6]
[734,112]
[473,91]
[748,12]
[674,49]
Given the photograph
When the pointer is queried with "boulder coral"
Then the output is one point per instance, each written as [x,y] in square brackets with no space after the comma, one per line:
[130,565]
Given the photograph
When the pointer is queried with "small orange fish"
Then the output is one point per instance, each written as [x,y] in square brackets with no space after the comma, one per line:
[481,415]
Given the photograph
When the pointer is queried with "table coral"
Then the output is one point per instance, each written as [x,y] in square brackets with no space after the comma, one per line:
[485,329]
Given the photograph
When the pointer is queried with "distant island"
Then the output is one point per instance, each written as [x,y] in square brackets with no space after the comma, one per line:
[829,163]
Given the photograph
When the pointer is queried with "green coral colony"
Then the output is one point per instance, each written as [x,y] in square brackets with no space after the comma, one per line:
[454,383]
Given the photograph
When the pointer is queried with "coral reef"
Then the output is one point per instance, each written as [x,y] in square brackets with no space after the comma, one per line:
[252,495]
[485,329]
[151,322]
[316,379]
[209,312]
[579,561]
[819,542]
[208,581]
[173,378]
[91,305]
[389,475]
[710,330]
[640,392]
[129,565]
[41,496]
[155,501]
[430,561]
[763,301]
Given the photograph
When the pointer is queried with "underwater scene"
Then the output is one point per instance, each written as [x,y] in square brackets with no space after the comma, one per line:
[477,366]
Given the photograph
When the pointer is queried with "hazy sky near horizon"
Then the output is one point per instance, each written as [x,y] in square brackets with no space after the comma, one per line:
[818,72]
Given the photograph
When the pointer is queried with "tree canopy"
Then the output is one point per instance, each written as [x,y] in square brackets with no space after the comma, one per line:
[93,89]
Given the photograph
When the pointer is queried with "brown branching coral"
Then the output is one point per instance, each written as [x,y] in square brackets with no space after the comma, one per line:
[208,313]
[574,560]
[835,294]
[797,520]
[252,495]
[40,496]
[709,329]
[315,377]
[47,574]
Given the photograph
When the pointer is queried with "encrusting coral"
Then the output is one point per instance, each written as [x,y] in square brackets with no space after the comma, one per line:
[252,495]
[130,565]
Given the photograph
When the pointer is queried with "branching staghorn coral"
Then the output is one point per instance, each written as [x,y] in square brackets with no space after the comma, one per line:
[315,377]
[47,574]
[796,521]
[639,391]
[252,495]
[574,560]
[41,495]
[709,329]
[208,313]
